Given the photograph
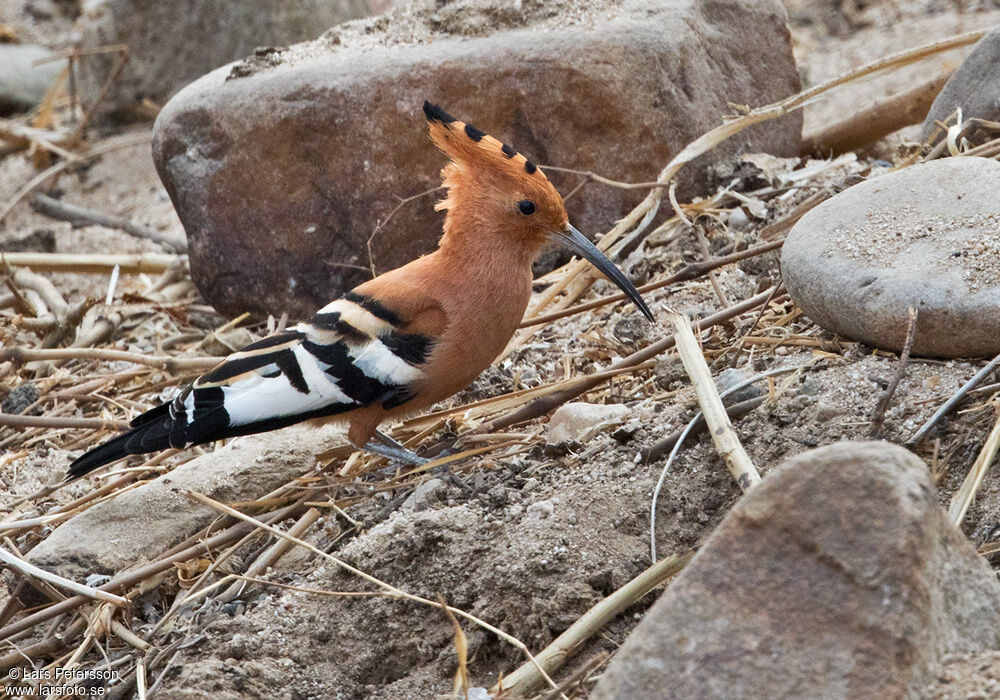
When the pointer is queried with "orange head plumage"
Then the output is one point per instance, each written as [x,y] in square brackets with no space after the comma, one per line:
[493,189]
[496,196]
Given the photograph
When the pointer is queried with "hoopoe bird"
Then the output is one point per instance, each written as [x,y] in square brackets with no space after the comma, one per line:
[397,343]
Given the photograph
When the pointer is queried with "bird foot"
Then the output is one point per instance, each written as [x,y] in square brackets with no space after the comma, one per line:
[400,453]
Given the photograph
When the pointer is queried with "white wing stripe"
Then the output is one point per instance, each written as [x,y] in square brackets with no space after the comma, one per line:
[258,398]
[358,316]
[379,362]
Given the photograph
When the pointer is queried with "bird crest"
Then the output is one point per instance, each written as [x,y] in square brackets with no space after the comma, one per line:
[469,146]
[472,150]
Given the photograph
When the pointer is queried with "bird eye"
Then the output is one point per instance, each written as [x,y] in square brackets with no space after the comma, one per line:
[526,207]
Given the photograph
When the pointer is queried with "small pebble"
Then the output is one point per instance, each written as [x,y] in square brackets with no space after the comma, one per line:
[19,399]
[541,510]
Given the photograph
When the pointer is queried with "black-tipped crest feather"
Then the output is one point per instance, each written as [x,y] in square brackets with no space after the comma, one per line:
[436,114]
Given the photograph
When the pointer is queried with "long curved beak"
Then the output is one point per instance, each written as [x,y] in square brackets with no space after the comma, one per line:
[578,243]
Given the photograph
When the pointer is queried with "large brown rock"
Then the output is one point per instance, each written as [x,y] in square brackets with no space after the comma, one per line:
[281,166]
[839,576]
[172,43]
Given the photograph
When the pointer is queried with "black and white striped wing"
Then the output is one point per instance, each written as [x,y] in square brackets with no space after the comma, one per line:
[350,355]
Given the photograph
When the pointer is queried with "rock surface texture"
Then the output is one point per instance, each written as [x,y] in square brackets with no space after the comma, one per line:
[975,87]
[838,576]
[172,43]
[115,534]
[926,237]
[281,166]
[22,83]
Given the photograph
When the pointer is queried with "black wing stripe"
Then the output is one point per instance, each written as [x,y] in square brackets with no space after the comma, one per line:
[332,321]
[209,418]
[352,381]
[281,421]
[290,366]
[374,308]
[412,348]
[273,340]
[239,365]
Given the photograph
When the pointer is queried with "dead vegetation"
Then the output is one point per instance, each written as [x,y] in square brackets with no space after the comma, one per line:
[74,368]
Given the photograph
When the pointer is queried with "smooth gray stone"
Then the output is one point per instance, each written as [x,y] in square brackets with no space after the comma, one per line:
[22,83]
[927,237]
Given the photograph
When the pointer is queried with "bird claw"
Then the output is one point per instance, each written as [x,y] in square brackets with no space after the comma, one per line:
[399,454]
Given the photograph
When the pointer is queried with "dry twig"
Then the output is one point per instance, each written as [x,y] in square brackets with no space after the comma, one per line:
[82,216]
[726,441]
[165,362]
[878,416]
[950,403]
[101,264]
[27,569]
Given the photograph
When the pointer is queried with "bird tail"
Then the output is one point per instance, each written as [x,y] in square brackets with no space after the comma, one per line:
[149,432]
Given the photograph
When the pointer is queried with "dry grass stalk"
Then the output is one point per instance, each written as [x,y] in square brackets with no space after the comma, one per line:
[82,262]
[953,401]
[719,426]
[163,362]
[27,569]
[461,684]
[966,493]
[18,421]
[387,587]
[140,679]
[526,678]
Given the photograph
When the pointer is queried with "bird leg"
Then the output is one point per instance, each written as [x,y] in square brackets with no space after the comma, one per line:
[387,440]
[400,453]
